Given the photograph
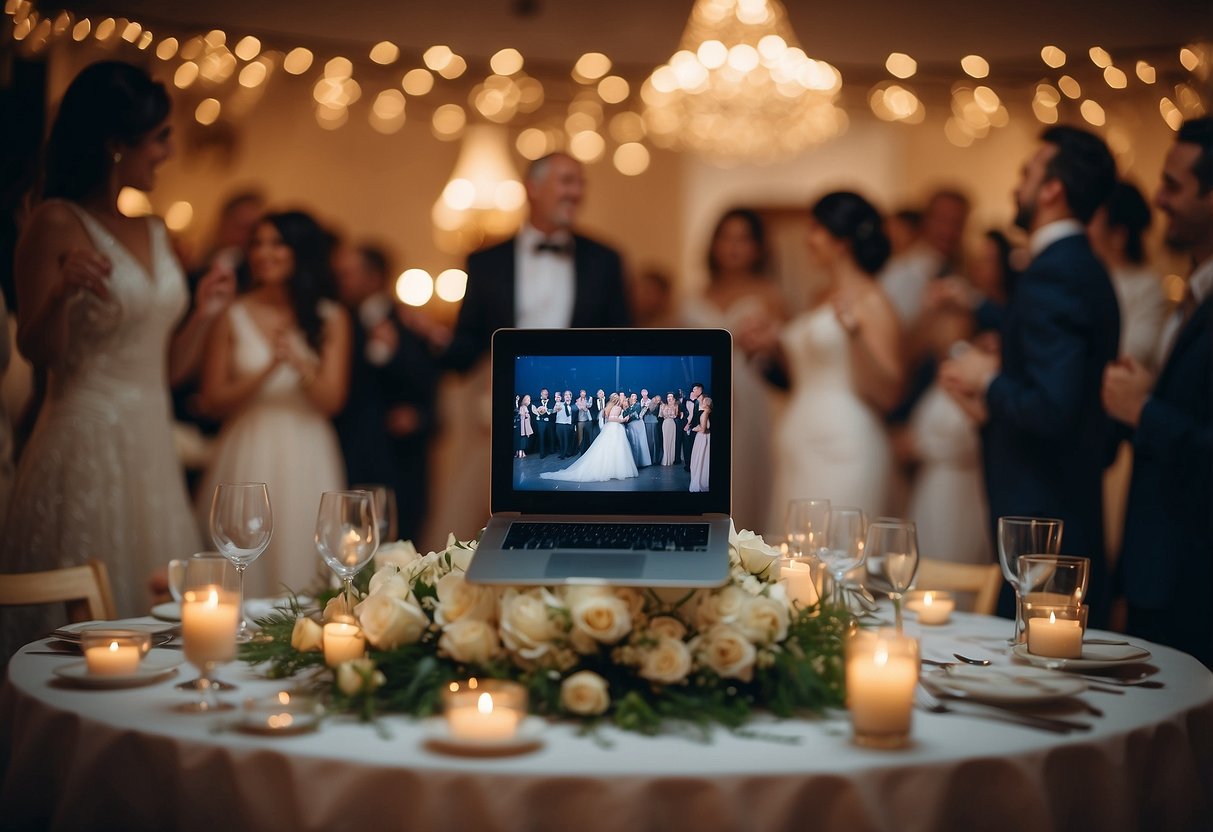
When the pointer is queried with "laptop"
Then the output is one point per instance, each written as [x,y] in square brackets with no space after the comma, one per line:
[605,502]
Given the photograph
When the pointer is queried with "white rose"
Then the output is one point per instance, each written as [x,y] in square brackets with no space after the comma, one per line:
[460,555]
[392,582]
[605,618]
[308,636]
[721,606]
[576,593]
[528,624]
[666,626]
[426,569]
[727,653]
[667,663]
[390,622]
[764,620]
[634,599]
[457,600]
[399,554]
[336,608]
[585,693]
[359,676]
[471,641]
[753,552]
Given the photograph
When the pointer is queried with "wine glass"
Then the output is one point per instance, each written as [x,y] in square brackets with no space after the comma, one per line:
[242,524]
[806,522]
[347,534]
[890,558]
[385,509]
[210,617]
[1024,536]
[842,548]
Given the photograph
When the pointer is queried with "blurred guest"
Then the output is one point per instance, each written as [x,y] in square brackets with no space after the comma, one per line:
[904,229]
[701,451]
[564,424]
[238,217]
[1116,233]
[934,254]
[841,357]
[1167,557]
[669,430]
[388,419]
[741,296]
[992,275]
[652,295]
[633,414]
[277,371]
[1046,437]
[542,412]
[100,296]
[648,411]
[522,439]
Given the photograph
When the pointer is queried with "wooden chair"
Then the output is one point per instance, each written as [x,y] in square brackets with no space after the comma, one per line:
[84,589]
[982,581]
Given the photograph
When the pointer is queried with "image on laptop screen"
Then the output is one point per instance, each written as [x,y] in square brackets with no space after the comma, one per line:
[624,423]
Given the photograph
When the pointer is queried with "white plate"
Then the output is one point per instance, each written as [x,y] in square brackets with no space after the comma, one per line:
[160,632]
[1094,657]
[168,611]
[254,608]
[155,667]
[1005,685]
[529,738]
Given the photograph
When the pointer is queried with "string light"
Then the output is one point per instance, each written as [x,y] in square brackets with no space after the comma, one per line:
[901,65]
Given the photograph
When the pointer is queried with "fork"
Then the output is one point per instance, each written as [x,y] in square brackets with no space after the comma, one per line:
[930,702]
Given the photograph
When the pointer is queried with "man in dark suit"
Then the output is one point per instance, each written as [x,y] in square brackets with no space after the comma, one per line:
[1166,560]
[546,276]
[692,421]
[1046,438]
[388,418]
[542,410]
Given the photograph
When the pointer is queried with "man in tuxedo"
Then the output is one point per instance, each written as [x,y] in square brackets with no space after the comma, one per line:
[545,277]
[1046,438]
[1166,559]
[648,408]
[388,418]
[542,411]
[582,415]
[597,406]
[692,420]
[564,424]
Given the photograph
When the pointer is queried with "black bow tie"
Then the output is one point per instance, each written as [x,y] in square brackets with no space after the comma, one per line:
[561,249]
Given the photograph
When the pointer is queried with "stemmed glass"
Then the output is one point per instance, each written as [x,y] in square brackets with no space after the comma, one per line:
[1024,536]
[347,534]
[843,547]
[806,522]
[210,616]
[890,559]
[385,509]
[242,524]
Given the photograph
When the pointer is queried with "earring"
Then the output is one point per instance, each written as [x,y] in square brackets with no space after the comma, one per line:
[117,157]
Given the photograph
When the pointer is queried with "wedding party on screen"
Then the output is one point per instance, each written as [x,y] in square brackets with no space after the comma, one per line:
[612,423]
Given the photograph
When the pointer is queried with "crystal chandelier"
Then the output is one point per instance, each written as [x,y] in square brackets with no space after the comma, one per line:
[740,88]
[484,198]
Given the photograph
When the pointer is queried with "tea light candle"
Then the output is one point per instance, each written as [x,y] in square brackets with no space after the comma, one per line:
[881,673]
[935,608]
[209,618]
[282,713]
[482,721]
[797,577]
[113,659]
[342,642]
[1056,638]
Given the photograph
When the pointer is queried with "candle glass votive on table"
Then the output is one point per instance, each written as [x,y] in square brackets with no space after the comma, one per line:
[801,578]
[343,641]
[210,618]
[931,607]
[1054,631]
[114,652]
[484,710]
[1051,579]
[881,673]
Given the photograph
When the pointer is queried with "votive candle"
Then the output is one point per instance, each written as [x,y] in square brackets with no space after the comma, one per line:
[210,616]
[113,659]
[935,608]
[881,673]
[798,578]
[343,641]
[1055,638]
[488,711]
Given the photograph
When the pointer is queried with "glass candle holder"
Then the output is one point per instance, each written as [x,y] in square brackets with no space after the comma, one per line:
[801,580]
[484,710]
[343,640]
[1055,631]
[1051,579]
[881,674]
[285,712]
[932,607]
[113,652]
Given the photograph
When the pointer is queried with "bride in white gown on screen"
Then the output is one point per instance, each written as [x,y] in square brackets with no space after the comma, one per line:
[608,458]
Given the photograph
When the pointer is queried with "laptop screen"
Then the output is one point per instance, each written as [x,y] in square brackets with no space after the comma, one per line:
[633,422]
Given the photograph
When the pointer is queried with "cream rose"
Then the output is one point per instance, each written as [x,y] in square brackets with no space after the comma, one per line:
[721,606]
[667,663]
[392,582]
[359,676]
[605,619]
[308,636]
[753,553]
[336,608]
[390,622]
[460,554]
[457,600]
[666,626]
[471,641]
[764,620]
[399,554]
[585,693]
[528,623]
[727,653]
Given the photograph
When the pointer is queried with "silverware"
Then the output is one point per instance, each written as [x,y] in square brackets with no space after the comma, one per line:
[936,704]
[968,660]
[1108,642]
[1135,682]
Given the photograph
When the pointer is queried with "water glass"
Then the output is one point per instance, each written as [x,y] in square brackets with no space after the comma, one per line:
[385,509]
[806,522]
[842,548]
[347,534]
[1024,536]
[890,558]
[242,524]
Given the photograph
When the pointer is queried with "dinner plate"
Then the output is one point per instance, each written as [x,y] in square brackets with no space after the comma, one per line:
[1094,657]
[529,738]
[155,667]
[1005,685]
[168,611]
[161,633]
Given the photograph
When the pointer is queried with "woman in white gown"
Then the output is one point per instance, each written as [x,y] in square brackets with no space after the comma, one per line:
[841,358]
[277,370]
[609,456]
[100,299]
[741,294]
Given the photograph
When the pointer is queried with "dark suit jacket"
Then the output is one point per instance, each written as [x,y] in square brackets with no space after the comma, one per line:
[1048,438]
[488,305]
[1167,552]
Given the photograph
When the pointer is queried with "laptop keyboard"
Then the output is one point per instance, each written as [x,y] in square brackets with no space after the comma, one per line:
[655,537]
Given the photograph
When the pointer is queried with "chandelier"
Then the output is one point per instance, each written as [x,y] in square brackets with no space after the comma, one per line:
[740,88]
[484,199]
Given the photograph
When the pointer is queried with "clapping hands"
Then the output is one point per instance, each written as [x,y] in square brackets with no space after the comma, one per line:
[215,291]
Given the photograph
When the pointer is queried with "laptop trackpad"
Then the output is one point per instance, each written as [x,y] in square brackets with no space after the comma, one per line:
[604,566]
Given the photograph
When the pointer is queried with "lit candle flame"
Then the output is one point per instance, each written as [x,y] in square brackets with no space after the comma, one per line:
[928,599]
[881,657]
[113,646]
[1052,618]
[485,703]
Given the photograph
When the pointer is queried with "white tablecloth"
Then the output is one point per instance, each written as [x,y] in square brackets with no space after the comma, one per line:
[125,759]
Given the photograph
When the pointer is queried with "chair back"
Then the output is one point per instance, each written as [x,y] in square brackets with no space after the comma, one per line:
[981,580]
[85,590]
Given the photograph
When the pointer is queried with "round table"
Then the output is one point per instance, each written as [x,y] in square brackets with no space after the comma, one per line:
[126,759]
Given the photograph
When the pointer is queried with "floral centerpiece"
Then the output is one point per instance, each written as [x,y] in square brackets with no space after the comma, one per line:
[635,656]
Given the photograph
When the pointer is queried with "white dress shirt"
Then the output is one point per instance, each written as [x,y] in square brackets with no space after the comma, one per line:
[544,282]
[905,277]
[1050,233]
[1200,284]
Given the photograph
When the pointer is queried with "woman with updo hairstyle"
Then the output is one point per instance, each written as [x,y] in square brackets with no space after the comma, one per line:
[841,358]
[277,371]
[103,302]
